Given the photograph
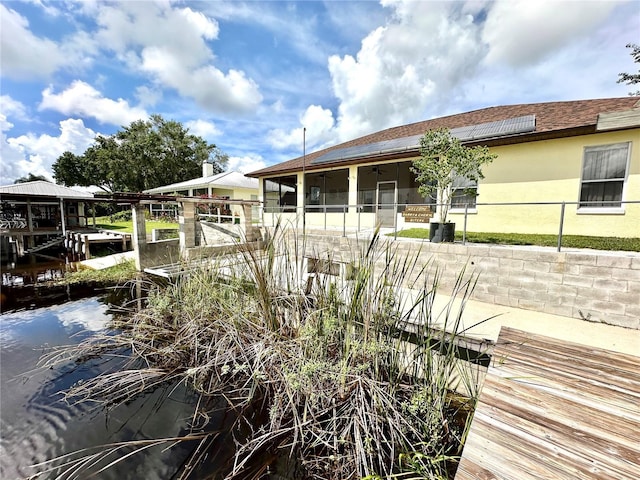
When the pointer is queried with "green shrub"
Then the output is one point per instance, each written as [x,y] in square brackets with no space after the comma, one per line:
[121,216]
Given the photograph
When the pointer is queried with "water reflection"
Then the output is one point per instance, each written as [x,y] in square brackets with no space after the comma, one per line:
[36,425]
[32,269]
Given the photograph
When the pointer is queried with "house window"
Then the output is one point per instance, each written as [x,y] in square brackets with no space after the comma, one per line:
[463,192]
[604,171]
[281,194]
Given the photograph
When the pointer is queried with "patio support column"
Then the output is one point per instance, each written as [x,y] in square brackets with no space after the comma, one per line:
[139,236]
[187,227]
[353,188]
[29,216]
[20,245]
[63,220]
[251,232]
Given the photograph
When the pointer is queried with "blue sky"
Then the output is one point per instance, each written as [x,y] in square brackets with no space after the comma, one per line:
[249,76]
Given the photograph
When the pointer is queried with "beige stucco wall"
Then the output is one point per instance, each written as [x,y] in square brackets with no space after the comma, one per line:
[549,171]
[236,193]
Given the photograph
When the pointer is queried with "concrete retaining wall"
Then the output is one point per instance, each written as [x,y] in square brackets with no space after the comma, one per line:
[162,252]
[595,286]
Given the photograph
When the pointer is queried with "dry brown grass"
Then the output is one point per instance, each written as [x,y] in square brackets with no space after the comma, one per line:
[323,384]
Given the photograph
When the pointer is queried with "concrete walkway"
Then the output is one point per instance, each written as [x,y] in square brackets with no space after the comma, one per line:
[587,333]
[101,263]
[618,339]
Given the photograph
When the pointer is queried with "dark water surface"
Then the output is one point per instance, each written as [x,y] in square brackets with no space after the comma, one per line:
[37,425]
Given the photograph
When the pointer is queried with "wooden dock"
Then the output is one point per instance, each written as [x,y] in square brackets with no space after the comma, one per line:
[551,409]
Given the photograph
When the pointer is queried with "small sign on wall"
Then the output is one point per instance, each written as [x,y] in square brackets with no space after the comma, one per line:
[417,214]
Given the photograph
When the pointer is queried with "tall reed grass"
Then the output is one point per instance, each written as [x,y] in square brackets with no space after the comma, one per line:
[315,367]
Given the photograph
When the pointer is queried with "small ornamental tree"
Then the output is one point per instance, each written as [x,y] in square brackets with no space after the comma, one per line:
[443,158]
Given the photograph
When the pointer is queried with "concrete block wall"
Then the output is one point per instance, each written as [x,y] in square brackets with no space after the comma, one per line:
[594,286]
[162,252]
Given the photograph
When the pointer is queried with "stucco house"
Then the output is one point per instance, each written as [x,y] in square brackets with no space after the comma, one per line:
[584,153]
[231,185]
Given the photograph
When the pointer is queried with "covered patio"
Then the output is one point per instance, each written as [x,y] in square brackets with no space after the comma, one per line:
[38,213]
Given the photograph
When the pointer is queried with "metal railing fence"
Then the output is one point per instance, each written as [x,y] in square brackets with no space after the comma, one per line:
[361,217]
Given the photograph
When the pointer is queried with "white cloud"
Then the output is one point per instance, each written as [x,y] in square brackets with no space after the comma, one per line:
[9,156]
[124,26]
[84,100]
[204,129]
[170,44]
[246,164]
[210,87]
[435,58]
[148,96]
[403,69]
[36,153]
[582,66]
[206,27]
[13,108]
[43,58]
[319,123]
[5,125]
[524,32]
[25,55]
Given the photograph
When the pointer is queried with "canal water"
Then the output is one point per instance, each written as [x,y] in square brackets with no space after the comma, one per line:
[36,424]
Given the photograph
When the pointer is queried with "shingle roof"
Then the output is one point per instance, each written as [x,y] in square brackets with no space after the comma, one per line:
[222,180]
[552,119]
[41,188]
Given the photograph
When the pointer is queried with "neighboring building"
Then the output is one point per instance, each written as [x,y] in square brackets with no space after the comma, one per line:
[585,153]
[226,185]
[42,206]
[36,213]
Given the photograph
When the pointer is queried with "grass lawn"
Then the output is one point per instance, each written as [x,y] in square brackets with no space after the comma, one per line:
[568,241]
[116,275]
[127,225]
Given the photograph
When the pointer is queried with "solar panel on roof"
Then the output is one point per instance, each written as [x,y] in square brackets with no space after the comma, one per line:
[385,146]
[501,128]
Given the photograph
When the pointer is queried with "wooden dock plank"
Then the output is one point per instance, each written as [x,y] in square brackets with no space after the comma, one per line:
[551,409]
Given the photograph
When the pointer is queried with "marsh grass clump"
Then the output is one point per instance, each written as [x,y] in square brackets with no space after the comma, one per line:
[317,369]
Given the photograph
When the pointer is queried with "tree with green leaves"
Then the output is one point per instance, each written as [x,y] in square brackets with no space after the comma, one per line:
[146,154]
[32,178]
[632,78]
[443,160]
